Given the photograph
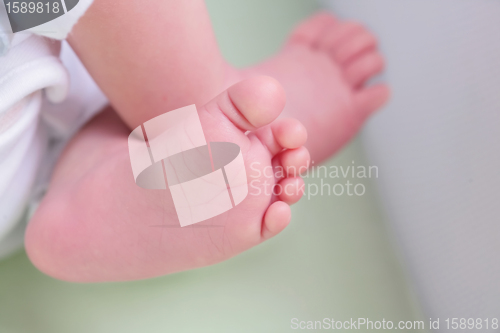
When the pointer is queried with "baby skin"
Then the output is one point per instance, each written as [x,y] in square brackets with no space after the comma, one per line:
[95,224]
[157,65]
[323,68]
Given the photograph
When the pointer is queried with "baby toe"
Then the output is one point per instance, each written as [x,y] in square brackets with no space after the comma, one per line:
[370,99]
[290,190]
[285,133]
[354,46]
[310,30]
[336,36]
[364,68]
[289,133]
[245,106]
[294,161]
[277,217]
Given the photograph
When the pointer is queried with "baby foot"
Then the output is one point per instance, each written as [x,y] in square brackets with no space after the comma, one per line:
[324,67]
[96,224]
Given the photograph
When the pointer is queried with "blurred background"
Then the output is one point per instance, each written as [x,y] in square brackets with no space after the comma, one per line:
[437,143]
[395,253]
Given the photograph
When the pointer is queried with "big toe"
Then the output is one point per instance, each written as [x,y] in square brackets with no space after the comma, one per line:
[245,106]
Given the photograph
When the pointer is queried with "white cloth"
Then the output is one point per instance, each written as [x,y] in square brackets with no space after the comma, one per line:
[39,112]
[437,146]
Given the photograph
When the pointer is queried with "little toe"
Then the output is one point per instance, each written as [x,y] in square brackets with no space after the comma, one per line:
[277,217]
[364,68]
[370,99]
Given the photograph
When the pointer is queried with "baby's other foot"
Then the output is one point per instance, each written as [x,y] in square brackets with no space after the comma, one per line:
[324,67]
[96,224]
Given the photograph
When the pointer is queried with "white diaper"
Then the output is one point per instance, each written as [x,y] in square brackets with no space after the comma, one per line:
[39,112]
